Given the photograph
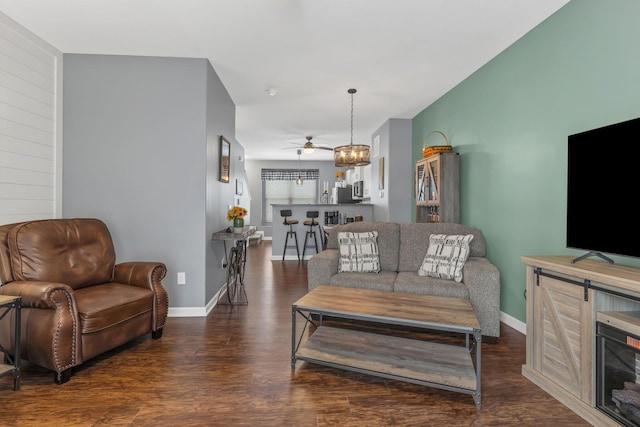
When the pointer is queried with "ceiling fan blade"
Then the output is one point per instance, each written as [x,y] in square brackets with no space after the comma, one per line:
[323,148]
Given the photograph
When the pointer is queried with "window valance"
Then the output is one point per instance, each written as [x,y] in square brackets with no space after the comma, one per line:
[290,174]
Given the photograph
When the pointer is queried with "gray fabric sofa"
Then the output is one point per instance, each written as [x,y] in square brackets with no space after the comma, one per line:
[402,248]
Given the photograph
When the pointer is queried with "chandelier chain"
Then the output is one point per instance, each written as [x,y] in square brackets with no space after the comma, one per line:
[351,118]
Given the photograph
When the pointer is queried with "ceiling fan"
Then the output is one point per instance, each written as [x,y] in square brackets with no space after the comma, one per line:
[309,147]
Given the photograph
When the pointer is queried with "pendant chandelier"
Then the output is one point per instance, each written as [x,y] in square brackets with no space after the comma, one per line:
[299,181]
[352,154]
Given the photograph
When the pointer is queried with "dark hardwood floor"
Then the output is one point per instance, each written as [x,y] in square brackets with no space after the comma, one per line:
[233,368]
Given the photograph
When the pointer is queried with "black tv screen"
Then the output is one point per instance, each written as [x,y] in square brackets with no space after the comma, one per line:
[601,189]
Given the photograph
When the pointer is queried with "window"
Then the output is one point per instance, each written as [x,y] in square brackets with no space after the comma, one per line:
[279,187]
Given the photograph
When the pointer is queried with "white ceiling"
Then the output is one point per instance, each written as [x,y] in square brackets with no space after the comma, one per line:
[401,55]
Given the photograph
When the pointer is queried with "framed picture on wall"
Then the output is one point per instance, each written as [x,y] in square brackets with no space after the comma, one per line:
[225,159]
[239,187]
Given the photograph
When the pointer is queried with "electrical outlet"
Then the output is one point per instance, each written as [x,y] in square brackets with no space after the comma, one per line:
[223,264]
[182,278]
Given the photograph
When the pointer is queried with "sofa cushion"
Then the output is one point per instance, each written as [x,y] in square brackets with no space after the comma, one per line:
[388,240]
[411,283]
[415,240]
[382,281]
[358,252]
[446,256]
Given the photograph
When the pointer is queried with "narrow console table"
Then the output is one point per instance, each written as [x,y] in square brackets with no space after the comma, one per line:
[7,304]
[236,262]
[563,302]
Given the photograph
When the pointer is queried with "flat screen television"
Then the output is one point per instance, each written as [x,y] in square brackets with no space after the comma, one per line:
[602,174]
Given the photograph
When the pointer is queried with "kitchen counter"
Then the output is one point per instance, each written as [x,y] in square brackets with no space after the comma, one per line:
[299,212]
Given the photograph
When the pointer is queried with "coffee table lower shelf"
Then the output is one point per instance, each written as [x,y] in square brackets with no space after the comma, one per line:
[431,364]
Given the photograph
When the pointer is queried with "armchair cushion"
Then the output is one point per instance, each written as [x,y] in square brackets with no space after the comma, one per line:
[100,307]
[77,252]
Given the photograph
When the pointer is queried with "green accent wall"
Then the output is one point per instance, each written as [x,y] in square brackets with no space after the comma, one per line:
[578,70]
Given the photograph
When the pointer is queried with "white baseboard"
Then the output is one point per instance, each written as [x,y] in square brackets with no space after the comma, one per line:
[196,311]
[514,323]
[187,312]
[204,311]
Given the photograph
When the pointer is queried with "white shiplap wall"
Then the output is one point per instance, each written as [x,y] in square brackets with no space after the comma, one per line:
[30,125]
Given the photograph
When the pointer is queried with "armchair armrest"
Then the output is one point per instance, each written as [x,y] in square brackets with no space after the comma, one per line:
[147,275]
[142,274]
[50,333]
[321,267]
[483,281]
[41,294]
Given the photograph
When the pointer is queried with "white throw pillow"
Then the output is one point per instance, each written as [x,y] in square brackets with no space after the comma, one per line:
[358,252]
[446,256]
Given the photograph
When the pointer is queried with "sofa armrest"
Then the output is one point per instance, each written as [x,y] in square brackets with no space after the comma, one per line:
[483,281]
[50,327]
[321,267]
[147,275]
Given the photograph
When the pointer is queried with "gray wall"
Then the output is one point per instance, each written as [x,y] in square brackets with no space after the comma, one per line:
[393,203]
[140,153]
[253,168]
[221,113]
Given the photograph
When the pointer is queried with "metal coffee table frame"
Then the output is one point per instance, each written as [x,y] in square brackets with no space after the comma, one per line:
[12,363]
[342,352]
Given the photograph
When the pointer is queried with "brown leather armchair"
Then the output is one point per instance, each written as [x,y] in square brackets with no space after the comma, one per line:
[77,303]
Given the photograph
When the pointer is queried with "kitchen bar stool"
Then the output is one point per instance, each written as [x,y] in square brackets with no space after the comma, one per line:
[286,213]
[311,232]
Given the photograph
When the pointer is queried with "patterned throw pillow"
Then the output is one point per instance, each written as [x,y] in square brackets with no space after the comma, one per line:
[358,252]
[446,256]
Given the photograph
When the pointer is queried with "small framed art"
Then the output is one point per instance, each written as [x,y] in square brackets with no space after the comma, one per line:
[225,159]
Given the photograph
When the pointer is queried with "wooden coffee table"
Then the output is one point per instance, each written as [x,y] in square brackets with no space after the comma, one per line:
[444,366]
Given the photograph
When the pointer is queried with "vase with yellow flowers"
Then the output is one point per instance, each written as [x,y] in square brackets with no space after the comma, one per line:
[237,214]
